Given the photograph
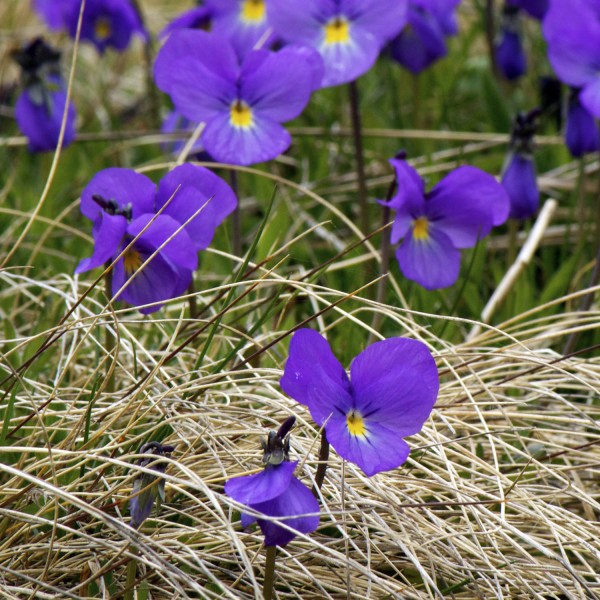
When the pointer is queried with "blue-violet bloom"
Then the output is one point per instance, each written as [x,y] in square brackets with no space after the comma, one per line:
[581,130]
[510,55]
[389,395]
[243,105]
[40,108]
[519,173]
[434,226]
[276,493]
[348,34]
[198,17]
[123,206]
[536,8]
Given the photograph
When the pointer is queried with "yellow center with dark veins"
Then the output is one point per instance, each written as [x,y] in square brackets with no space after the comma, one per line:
[253,11]
[355,423]
[337,31]
[132,261]
[421,228]
[241,115]
[102,29]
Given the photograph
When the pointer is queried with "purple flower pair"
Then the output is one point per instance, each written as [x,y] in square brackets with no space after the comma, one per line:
[158,252]
[389,395]
[242,104]
[289,505]
[434,226]
[40,108]
[106,23]
[423,40]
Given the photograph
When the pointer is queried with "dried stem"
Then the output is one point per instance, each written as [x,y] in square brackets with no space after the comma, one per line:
[269,582]
[359,154]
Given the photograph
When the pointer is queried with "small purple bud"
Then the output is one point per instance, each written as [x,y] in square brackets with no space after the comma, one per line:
[510,56]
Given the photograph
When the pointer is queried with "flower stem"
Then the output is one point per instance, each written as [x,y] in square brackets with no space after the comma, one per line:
[322,468]
[236,217]
[192,300]
[359,154]
[128,593]
[109,340]
[269,581]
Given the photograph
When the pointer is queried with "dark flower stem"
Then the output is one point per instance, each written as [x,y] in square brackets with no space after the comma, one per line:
[322,468]
[269,582]
[360,160]
[192,300]
[236,217]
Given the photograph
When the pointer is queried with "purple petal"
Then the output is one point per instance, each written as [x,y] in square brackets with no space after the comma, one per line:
[466,204]
[195,188]
[122,185]
[313,376]
[433,263]
[581,130]
[381,449]
[510,55]
[195,18]
[272,481]
[263,140]
[279,88]
[298,504]
[300,22]
[311,57]
[590,97]
[520,182]
[179,251]
[108,234]
[383,19]
[53,12]
[199,71]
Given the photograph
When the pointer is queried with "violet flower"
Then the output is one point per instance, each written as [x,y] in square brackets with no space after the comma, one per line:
[423,39]
[276,493]
[123,205]
[243,105]
[40,108]
[535,8]
[434,226]
[348,34]
[581,130]
[519,172]
[148,489]
[391,391]
[572,32]
[243,22]
[198,17]
[510,55]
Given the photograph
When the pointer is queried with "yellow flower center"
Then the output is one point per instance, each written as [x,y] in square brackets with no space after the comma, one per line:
[421,228]
[337,31]
[241,115]
[355,423]
[102,29]
[253,11]
[132,261]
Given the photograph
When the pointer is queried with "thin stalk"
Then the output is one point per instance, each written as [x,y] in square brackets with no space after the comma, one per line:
[128,594]
[513,232]
[192,300]
[269,582]
[109,340]
[359,155]
[322,468]
[490,34]
[236,217]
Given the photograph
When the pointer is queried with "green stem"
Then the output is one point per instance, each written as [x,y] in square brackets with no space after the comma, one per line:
[322,468]
[236,217]
[513,230]
[109,340]
[128,594]
[269,582]
[359,155]
[192,300]
[490,34]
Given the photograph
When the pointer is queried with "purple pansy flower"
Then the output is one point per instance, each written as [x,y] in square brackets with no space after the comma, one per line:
[519,173]
[198,17]
[123,205]
[53,12]
[243,22]
[389,395]
[434,226]
[423,40]
[275,492]
[148,489]
[40,108]
[510,55]
[572,31]
[536,8]
[581,129]
[243,105]
[348,34]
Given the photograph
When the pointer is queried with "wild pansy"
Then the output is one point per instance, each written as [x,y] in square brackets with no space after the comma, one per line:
[572,32]
[348,34]
[581,130]
[519,173]
[40,107]
[243,105]
[147,488]
[423,40]
[433,227]
[198,17]
[389,395]
[510,55]
[243,22]
[106,23]
[123,206]
[535,8]
[276,493]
